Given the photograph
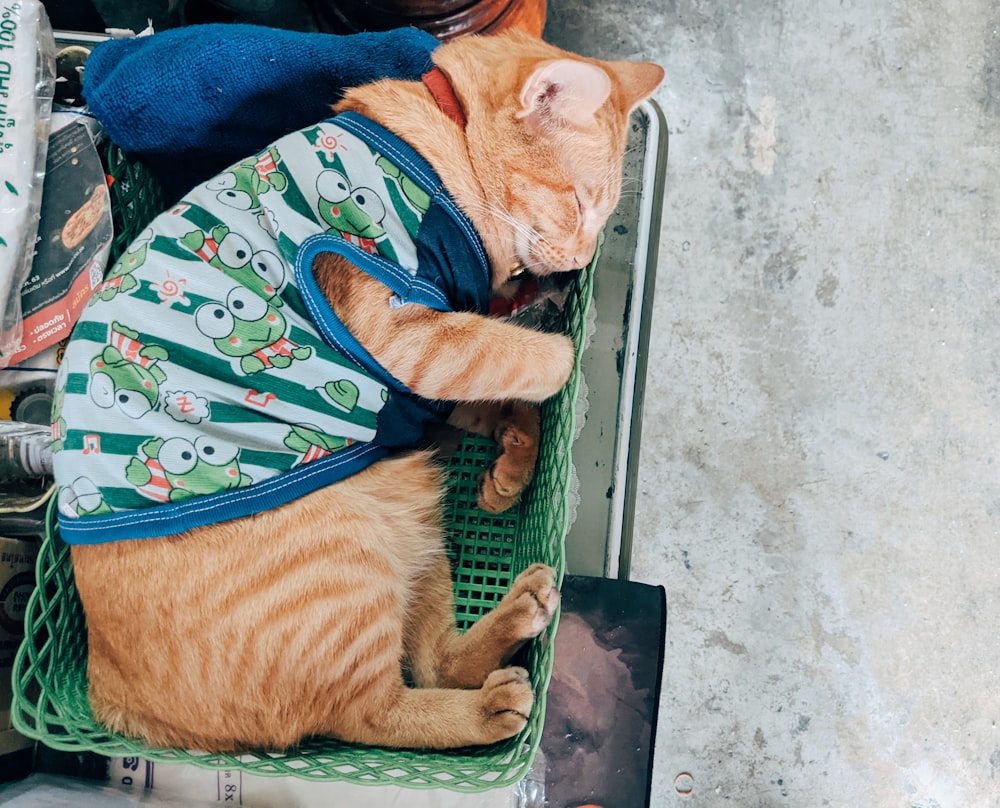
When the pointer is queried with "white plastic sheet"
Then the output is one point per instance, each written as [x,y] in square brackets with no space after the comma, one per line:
[27,83]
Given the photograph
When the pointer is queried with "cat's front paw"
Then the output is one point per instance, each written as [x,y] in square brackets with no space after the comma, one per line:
[506,702]
[543,363]
[555,363]
[500,486]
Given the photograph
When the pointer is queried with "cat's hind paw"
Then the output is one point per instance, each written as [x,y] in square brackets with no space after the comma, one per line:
[532,600]
[507,699]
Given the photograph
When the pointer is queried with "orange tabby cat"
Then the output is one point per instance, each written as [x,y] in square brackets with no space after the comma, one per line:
[333,615]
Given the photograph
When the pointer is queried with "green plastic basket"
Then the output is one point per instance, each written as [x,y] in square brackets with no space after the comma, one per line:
[136,197]
[487,552]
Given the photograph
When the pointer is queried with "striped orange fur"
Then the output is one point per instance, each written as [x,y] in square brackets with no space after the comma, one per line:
[333,615]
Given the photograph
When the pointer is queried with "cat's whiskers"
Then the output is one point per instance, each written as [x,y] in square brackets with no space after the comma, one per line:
[498,210]
[532,266]
[613,174]
[532,237]
[632,189]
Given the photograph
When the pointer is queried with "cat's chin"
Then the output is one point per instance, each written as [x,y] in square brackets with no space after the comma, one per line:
[530,260]
[542,269]
[532,264]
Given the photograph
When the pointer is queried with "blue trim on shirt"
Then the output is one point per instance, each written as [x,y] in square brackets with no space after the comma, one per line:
[420,171]
[176,517]
[322,314]
[408,288]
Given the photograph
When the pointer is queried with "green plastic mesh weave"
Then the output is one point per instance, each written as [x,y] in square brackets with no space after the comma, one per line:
[135,197]
[50,681]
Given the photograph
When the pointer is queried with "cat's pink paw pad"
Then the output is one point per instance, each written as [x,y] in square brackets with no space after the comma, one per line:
[507,699]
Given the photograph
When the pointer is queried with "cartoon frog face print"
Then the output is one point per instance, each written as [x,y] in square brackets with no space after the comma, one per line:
[176,469]
[248,327]
[125,374]
[350,211]
[242,186]
[262,271]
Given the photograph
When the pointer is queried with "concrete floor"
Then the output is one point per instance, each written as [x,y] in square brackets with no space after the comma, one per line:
[819,491]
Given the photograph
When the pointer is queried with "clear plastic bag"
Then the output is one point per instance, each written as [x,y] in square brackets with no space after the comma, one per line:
[27,83]
[531,789]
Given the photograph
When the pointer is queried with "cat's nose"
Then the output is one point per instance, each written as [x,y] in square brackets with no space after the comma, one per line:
[584,251]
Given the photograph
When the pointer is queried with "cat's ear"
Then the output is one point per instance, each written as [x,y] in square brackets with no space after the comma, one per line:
[638,80]
[563,90]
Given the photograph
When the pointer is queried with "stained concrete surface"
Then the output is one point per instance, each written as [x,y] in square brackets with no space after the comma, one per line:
[818,484]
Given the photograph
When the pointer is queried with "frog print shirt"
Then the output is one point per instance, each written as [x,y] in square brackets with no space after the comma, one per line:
[209,378]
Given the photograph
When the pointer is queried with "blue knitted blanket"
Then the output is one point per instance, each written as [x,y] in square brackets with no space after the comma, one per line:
[189,102]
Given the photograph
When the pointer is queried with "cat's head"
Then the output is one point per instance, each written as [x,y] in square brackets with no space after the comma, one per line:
[546,136]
